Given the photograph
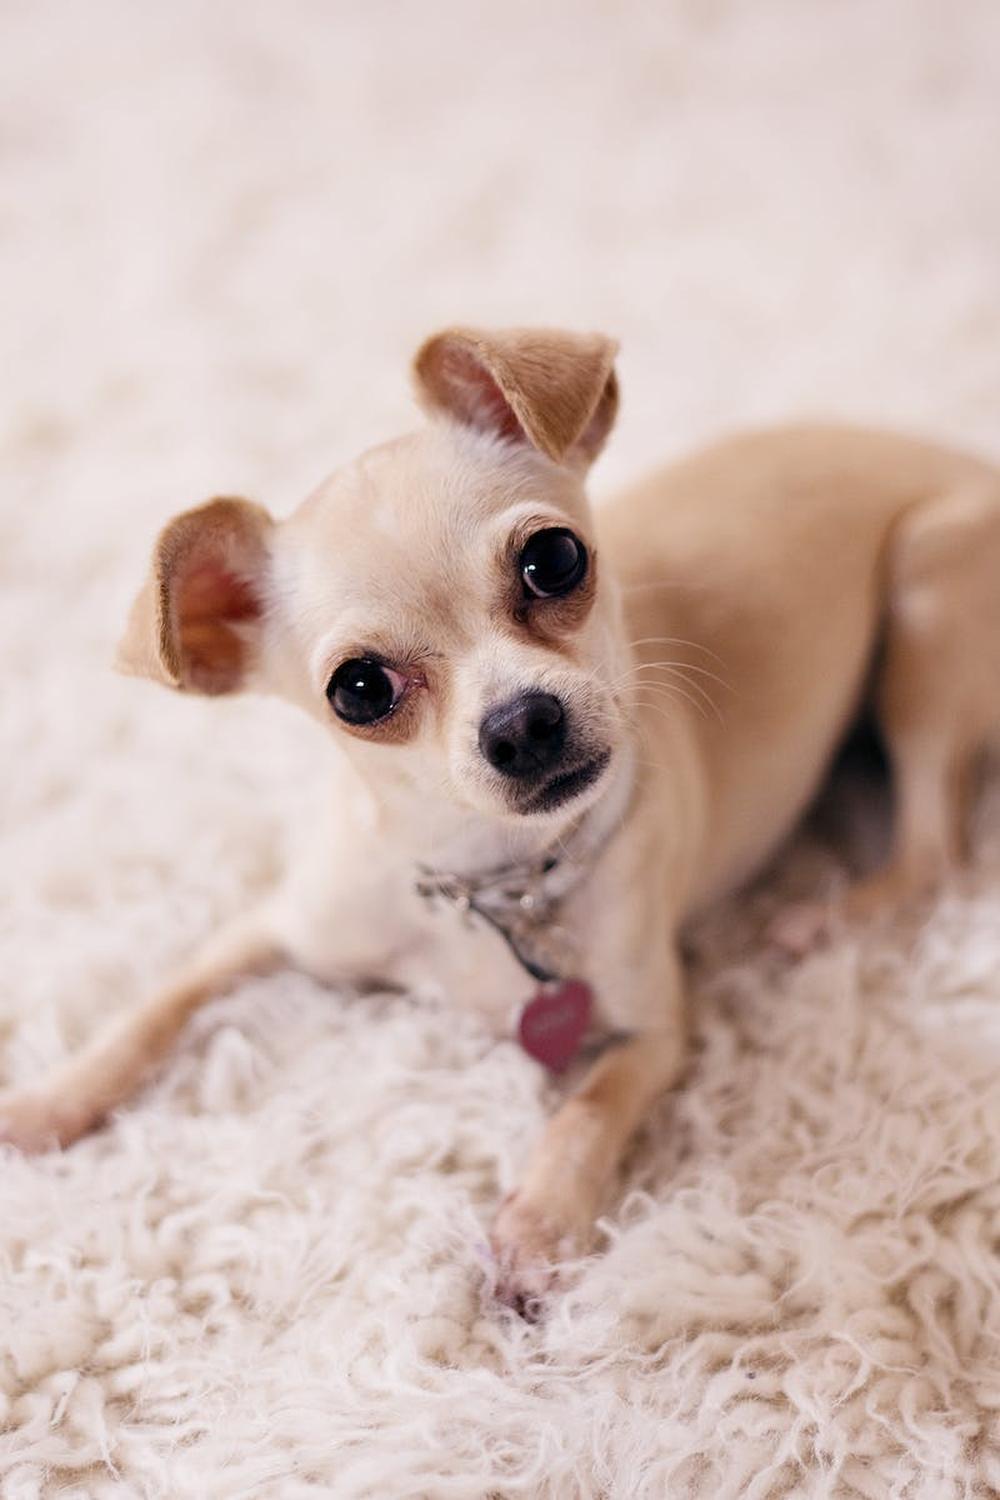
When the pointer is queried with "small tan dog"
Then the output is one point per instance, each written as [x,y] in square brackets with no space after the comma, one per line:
[562,735]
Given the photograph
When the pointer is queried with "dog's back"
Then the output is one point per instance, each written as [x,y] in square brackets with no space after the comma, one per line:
[756,579]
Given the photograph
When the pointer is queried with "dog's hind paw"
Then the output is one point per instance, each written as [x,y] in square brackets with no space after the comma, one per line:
[801,928]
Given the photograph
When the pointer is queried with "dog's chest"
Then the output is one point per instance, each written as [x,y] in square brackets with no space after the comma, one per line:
[471,965]
[482,965]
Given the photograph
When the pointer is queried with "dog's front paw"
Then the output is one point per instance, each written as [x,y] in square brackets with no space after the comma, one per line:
[526,1245]
[34,1120]
[529,1239]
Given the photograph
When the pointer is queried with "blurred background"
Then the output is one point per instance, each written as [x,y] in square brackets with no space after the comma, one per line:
[224,227]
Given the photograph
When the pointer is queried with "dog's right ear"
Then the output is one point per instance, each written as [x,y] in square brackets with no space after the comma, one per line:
[196,623]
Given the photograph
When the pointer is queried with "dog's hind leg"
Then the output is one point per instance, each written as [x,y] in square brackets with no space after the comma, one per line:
[936,699]
[80,1092]
[937,696]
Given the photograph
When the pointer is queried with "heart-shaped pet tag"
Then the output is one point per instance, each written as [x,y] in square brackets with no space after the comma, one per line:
[553,1023]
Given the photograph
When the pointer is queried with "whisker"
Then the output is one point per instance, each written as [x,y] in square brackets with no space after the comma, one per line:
[676,640]
[687,666]
[696,687]
[674,690]
[633,679]
[699,691]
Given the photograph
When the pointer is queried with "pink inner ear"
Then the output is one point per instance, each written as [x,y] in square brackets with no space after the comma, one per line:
[476,397]
[211,591]
[210,599]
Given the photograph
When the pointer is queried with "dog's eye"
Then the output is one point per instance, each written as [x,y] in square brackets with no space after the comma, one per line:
[362,691]
[553,562]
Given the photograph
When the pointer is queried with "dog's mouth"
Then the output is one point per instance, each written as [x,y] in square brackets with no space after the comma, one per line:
[568,784]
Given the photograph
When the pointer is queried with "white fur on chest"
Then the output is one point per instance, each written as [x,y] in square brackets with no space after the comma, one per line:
[350,911]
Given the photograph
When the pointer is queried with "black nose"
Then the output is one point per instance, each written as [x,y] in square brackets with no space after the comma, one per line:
[525,736]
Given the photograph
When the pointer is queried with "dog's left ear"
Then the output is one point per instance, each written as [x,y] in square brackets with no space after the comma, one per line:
[555,390]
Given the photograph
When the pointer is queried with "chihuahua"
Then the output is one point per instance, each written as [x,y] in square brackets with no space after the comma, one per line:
[561,735]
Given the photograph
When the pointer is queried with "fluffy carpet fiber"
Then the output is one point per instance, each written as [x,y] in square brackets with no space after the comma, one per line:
[222,230]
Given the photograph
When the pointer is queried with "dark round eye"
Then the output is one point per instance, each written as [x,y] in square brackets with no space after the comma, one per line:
[553,562]
[362,691]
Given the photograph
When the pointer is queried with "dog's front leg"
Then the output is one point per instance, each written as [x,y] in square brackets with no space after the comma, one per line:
[551,1214]
[80,1092]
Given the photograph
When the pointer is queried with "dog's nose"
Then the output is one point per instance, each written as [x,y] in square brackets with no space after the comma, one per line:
[524,736]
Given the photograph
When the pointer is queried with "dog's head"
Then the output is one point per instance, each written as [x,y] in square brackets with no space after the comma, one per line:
[438,603]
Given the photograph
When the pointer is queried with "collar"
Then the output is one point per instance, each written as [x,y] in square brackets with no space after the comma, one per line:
[521,901]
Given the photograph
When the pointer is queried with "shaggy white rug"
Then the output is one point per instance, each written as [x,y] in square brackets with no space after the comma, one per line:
[222,229]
